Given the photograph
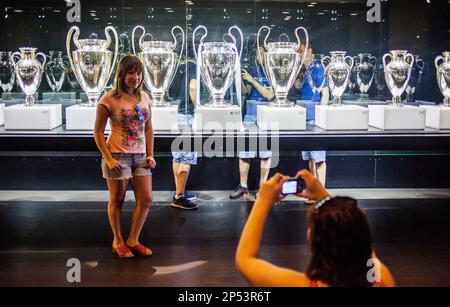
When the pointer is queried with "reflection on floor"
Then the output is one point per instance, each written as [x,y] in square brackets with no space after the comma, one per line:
[38,237]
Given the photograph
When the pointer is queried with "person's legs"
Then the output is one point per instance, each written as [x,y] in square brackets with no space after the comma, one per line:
[142,186]
[175,166]
[117,190]
[312,167]
[321,170]
[182,178]
[244,168]
[265,169]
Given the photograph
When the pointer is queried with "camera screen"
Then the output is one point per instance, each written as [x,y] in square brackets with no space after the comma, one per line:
[289,187]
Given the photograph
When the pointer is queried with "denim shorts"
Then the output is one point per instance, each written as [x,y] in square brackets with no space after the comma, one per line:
[317,156]
[189,158]
[265,154]
[132,165]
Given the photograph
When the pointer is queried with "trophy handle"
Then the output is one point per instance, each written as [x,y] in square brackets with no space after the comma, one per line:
[436,61]
[409,55]
[201,39]
[385,57]
[299,43]
[77,44]
[17,53]
[181,50]
[133,37]
[421,65]
[352,61]
[284,35]
[323,61]
[116,48]
[44,58]
[355,60]
[234,38]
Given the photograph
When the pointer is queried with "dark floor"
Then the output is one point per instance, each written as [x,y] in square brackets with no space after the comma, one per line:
[197,248]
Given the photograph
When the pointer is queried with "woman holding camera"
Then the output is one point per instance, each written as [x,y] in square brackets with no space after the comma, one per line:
[338,239]
[127,155]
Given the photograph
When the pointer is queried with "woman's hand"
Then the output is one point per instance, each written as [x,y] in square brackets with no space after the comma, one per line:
[151,163]
[270,191]
[314,189]
[114,164]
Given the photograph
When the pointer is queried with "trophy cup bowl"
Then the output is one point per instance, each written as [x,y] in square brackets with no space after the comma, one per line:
[282,63]
[28,71]
[443,76]
[338,74]
[397,73]
[92,63]
[365,68]
[55,70]
[160,64]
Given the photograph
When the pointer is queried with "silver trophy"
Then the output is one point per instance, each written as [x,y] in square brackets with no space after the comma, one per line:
[443,76]
[365,67]
[55,70]
[218,63]
[92,62]
[282,63]
[7,76]
[337,72]
[160,63]
[397,73]
[29,71]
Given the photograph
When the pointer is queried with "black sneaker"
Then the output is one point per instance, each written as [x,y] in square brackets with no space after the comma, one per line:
[183,203]
[239,192]
[190,196]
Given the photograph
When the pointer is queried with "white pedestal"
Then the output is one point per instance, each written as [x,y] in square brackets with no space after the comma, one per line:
[37,117]
[81,118]
[2,114]
[397,118]
[344,117]
[289,118]
[437,117]
[165,118]
[219,119]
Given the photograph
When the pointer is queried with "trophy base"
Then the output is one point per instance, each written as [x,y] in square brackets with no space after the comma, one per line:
[6,96]
[363,97]
[59,96]
[218,104]
[218,119]
[82,118]
[165,118]
[437,116]
[279,119]
[16,96]
[389,117]
[36,117]
[2,114]
[344,117]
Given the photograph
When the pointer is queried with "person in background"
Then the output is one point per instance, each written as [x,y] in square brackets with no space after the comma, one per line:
[338,237]
[127,155]
[316,159]
[182,161]
[259,92]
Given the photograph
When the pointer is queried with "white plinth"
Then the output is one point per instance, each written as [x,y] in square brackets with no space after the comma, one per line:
[165,118]
[273,118]
[81,118]
[37,117]
[2,114]
[437,117]
[219,119]
[391,117]
[344,117]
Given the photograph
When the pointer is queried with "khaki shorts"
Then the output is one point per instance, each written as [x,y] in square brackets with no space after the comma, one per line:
[132,165]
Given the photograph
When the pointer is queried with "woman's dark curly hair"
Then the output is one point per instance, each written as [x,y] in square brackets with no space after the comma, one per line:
[339,239]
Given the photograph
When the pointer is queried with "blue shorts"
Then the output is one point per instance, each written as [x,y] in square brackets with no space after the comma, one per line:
[132,165]
[189,158]
[253,154]
[317,156]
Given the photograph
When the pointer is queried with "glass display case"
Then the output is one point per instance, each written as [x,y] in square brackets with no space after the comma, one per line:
[296,66]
